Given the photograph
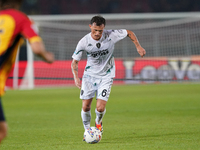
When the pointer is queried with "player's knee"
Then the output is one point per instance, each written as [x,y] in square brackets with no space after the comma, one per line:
[100,108]
[86,105]
[86,108]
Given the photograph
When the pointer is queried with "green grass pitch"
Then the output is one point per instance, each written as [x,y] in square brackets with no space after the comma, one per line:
[139,117]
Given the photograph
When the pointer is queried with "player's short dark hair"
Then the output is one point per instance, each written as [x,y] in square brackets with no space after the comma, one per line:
[99,20]
[7,2]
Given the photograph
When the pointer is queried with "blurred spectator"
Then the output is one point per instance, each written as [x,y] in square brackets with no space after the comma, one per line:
[107,6]
[196,6]
[54,7]
[43,7]
[30,6]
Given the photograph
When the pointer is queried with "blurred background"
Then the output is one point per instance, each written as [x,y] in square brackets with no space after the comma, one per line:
[169,30]
[39,7]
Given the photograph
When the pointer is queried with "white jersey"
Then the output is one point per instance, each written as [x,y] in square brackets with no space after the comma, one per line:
[100,59]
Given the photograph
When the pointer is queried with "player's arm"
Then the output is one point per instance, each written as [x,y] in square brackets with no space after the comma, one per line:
[134,39]
[39,49]
[36,43]
[74,67]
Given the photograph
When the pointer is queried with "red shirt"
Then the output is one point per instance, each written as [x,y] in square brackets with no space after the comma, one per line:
[13,25]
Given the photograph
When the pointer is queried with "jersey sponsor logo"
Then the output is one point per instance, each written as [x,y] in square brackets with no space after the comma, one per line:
[99,53]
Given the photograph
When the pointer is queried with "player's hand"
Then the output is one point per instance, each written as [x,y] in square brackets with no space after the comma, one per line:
[49,57]
[141,51]
[77,82]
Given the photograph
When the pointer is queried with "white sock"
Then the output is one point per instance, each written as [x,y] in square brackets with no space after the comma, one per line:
[86,117]
[99,116]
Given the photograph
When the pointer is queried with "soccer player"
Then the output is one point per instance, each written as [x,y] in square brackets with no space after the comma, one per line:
[14,26]
[100,68]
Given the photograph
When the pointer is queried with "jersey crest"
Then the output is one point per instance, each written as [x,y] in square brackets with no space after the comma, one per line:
[98,45]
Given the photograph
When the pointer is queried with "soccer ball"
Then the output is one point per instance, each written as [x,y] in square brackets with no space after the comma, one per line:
[92,135]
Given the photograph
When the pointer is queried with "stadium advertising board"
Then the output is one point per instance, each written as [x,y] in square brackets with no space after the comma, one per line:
[164,69]
[132,71]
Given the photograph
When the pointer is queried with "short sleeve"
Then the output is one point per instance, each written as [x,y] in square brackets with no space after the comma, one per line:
[79,50]
[29,31]
[118,35]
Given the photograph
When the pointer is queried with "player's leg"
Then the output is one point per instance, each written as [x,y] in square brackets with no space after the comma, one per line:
[3,124]
[86,113]
[3,130]
[87,94]
[100,110]
[103,94]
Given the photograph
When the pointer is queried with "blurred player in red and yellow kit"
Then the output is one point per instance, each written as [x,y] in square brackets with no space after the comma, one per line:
[14,26]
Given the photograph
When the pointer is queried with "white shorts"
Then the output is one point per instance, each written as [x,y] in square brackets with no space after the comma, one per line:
[92,85]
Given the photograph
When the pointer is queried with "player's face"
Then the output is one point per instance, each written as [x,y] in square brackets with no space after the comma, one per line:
[96,31]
